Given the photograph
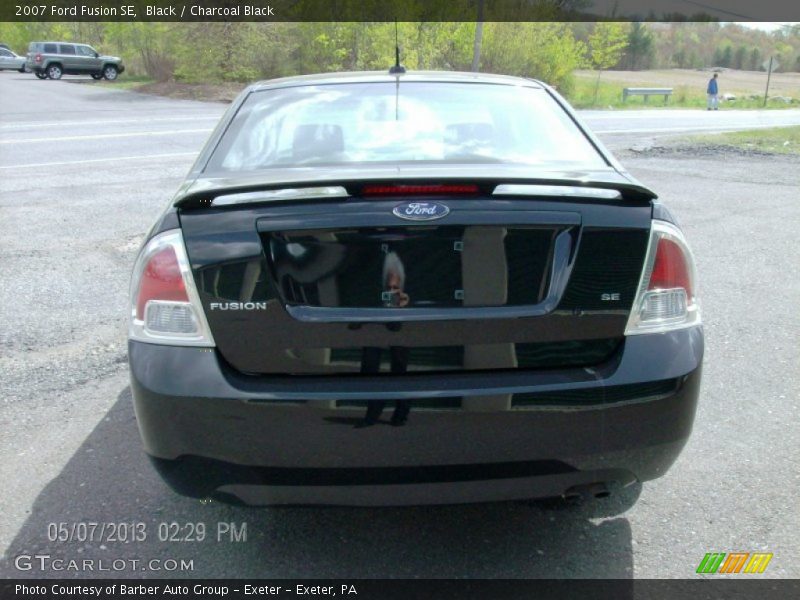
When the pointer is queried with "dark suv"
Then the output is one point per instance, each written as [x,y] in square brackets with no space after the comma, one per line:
[54,59]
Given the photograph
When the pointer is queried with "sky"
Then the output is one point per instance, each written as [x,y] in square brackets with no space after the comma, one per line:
[766,26]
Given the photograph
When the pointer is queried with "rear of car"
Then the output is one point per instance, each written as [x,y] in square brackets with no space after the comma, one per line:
[10,61]
[411,289]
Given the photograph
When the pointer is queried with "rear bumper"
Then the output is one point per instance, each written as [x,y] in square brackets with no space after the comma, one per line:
[468,437]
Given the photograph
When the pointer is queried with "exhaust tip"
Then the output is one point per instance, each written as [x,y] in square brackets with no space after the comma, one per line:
[599,490]
[587,491]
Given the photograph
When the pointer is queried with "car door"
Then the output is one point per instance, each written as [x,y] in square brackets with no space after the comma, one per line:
[5,59]
[89,59]
[69,59]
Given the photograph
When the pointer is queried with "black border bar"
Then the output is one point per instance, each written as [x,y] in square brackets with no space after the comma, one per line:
[400,10]
[704,587]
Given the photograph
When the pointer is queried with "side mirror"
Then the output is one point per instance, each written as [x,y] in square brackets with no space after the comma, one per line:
[96,55]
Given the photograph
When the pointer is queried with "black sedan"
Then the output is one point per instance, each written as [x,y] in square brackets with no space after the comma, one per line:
[411,288]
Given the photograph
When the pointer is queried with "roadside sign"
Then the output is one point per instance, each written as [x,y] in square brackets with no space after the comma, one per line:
[766,63]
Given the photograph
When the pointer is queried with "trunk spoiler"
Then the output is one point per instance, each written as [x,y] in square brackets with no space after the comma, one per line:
[495,180]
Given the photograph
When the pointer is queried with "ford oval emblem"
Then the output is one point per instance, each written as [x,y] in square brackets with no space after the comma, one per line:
[421,211]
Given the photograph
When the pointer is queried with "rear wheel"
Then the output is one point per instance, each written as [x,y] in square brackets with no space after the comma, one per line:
[41,74]
[110,72]
[54,71]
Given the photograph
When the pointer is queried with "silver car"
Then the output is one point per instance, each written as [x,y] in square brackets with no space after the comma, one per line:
[10,61]
[51,60]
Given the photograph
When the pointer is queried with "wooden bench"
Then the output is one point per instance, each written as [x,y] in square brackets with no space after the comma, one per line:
[646,92]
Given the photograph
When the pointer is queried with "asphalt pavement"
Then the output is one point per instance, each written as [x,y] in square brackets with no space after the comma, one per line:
[85,169]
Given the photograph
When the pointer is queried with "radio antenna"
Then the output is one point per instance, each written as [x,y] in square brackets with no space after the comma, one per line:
[397,68]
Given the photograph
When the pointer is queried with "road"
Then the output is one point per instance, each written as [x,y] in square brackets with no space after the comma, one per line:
[629,123]
[85,169]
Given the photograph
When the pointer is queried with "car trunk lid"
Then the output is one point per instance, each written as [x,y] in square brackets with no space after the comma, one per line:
[344,285]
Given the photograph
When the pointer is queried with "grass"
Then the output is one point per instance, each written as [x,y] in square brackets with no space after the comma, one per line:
[778,140]
[688,89]
[126,83]
[683,96]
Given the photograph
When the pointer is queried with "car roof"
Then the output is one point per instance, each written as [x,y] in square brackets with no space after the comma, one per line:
[386,77]
[57,42]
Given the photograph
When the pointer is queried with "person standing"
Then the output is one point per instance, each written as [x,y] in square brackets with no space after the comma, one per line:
[713,93]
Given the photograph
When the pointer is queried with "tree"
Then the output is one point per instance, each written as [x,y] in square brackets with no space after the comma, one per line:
[783,54]
[640,52]
[740,58]
[727,56]
[543,50]
[606,45]
[476,47]
[723,55]
[755,59]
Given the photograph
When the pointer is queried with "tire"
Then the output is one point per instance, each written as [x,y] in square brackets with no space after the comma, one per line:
[41,74]
[110,72]
[97,76]
[22,69]
[54,71]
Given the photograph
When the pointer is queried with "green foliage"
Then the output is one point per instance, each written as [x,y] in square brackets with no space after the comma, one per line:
[545,51]
[606,44]
[723,55]
[550,51]
[697,45]
[740,58]
[640,52]
[755,59]
[609,95]
[778,140]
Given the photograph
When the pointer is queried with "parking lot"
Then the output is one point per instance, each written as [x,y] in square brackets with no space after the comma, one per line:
[84,170]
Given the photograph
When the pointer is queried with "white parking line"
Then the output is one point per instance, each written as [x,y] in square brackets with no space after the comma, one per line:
[103,136]
[730,127]
[781,114]
[98,160]
[35,124]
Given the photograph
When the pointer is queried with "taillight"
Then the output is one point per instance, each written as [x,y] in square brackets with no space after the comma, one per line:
[670,269]
[420,190]
[165,306]
[38,58]
[161,281]
[667,294]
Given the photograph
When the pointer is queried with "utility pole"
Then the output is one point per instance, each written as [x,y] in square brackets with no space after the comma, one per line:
[476,48]
[769,75]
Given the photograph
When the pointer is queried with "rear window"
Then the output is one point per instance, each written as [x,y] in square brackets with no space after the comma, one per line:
[51,48]
[415,122]
[67,49]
